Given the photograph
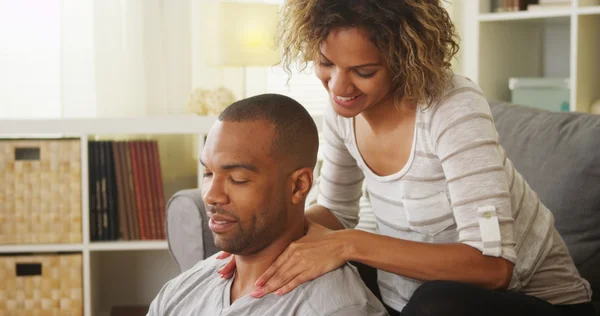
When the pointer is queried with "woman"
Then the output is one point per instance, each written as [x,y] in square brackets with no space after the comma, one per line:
[459,232]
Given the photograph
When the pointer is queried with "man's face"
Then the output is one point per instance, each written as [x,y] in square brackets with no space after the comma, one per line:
[243,186]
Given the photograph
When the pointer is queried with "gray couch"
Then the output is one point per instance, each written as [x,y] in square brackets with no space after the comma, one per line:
[557,153]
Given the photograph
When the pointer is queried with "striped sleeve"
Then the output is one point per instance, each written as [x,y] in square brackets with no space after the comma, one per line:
[465,139]
[340,179]
[367,220]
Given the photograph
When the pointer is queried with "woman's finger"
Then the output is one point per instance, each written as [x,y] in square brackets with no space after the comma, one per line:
[301,278]
[279,279]
[286,273]
[223,255]
[281,260]
[228,269]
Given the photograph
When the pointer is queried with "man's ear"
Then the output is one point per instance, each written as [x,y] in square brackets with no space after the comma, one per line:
[301,180]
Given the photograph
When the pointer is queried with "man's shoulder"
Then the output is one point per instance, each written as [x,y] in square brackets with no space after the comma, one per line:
[203,271]
[208,265]
[190,289]
[339,290]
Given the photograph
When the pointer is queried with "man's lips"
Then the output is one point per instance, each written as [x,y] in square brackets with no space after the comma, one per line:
[219,223]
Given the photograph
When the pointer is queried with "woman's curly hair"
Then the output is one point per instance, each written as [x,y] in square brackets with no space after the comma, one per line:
[416,38]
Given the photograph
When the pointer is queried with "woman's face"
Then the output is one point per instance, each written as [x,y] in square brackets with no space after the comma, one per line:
[353,72]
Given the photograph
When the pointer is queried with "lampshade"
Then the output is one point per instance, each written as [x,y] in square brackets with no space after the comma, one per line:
[247,34]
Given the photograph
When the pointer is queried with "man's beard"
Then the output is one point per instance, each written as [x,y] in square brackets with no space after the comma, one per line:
[252,236]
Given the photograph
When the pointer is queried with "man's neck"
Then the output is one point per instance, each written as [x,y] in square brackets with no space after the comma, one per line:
[249,268]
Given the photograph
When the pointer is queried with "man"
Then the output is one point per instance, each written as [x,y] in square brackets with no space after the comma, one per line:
[258,161]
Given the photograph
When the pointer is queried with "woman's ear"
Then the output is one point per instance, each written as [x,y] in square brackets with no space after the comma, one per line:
[302,180]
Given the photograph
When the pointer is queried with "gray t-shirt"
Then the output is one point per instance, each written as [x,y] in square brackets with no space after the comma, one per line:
[201,291]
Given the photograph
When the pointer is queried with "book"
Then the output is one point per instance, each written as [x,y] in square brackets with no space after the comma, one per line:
[98,177]
[137,170]
[92,190]
[161,193]
[130,195]
[106,233]
[124,232]
[147,190]
[158,192]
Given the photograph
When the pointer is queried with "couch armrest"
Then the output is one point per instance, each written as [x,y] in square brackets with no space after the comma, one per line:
[189,238]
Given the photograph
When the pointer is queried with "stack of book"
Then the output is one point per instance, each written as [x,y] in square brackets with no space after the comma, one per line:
[511,5]
[126,191]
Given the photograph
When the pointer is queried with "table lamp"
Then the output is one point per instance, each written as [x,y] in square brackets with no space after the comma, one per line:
[247,36]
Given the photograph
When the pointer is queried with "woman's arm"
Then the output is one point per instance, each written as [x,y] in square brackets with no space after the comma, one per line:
[321,215]
[324,250]
[425,261]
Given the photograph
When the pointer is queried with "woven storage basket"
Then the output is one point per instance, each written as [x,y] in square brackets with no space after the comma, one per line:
[41,285]
[40,191]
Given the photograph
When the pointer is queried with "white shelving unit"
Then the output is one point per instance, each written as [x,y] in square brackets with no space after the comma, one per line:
[114,272]
[549,43]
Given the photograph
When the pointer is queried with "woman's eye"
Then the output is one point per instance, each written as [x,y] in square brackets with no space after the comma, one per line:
[325,63]
[207,174]
[365,75]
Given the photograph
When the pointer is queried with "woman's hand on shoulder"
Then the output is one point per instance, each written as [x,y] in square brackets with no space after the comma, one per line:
[318,252]
[227,270]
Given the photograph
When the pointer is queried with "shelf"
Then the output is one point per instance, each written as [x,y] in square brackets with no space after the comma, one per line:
[128,245]
[41,248]
[524,15]
[588,10]
[186,124]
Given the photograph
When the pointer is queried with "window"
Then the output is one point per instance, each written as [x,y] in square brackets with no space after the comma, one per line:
[30,59]
[303,87]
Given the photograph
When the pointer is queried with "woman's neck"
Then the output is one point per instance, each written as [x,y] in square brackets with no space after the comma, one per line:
[386,117]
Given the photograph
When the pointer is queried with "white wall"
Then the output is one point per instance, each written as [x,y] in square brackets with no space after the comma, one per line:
[142,57]
[464,13]
[30,59]
[557,44]
[78,70]
[90,58]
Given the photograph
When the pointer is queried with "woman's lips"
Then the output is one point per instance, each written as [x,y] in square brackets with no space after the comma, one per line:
[347,101]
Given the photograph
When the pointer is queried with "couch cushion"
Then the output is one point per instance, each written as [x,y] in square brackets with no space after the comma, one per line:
[558,154]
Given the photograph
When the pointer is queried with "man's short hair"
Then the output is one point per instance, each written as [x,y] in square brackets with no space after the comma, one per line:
[296,135]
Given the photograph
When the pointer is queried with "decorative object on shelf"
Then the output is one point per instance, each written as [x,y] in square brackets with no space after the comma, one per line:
[247,36]
[551,94]
[126,191]
[595,108]
[40,191]
[210,102]
[41,284]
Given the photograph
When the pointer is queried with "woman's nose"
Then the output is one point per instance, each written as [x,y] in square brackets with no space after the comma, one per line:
[341,85]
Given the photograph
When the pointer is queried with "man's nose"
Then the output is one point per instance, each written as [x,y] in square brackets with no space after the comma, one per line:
[214,193]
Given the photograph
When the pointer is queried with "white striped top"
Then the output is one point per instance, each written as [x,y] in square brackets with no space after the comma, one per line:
[457,186]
